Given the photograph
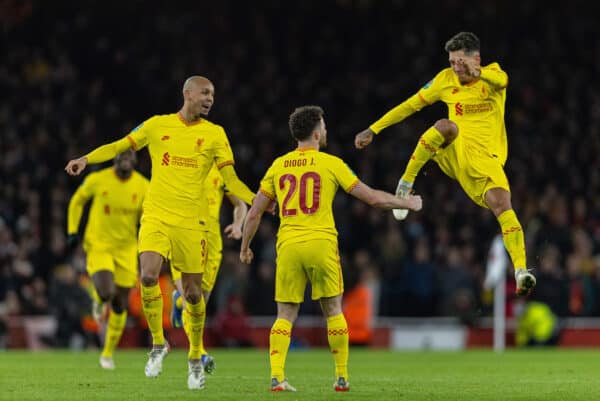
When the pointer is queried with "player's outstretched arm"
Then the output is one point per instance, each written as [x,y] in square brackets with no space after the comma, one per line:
[385,200]
[234,230]
[394,116]
[259,205]
[98,155]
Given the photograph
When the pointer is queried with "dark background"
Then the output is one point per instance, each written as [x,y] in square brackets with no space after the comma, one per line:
[73,77]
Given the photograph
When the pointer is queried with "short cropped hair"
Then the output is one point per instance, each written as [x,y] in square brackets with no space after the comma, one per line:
[304,120]
[466,41]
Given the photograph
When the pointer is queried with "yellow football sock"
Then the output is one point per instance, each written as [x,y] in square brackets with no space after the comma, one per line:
[428,144]
[114,330]
[202,349]
[193,324]
[514,240]
[152,303]
[279,343]
[337,335]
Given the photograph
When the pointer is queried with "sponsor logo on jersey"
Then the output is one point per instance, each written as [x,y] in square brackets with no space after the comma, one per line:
[171,160]
[461,109]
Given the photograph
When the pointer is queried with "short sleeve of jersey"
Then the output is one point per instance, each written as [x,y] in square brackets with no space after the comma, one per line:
[139,135]
[267,185]
[431,91]
[344,174]
[224,154]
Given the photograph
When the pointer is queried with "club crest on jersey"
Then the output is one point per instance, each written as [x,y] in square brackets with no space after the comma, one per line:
[199,143]
[484,92]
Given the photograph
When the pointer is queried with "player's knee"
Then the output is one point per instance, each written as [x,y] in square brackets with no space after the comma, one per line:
[105,293]
[498,200]
[447,128]
[149,281]
[192,297]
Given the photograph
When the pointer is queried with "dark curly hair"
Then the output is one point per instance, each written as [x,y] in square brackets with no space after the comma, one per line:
[466,41]
[304,120]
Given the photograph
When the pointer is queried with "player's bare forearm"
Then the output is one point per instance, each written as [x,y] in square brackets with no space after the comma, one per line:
[385,200]
[250,227]
[253,218]
[234,230]
[240,209]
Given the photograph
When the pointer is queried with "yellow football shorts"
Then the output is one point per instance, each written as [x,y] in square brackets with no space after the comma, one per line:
[215,254]
[186,249]
[122,262]
[314,260]
[475,170]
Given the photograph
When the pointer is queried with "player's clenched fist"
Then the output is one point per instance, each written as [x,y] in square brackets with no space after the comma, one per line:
[76,166]
[246,256]
[363,138]
[414,202]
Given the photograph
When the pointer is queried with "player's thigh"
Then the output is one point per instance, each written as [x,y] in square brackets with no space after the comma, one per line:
[323,268]
[126,266]
[154,236]
[482,173]
[213,262]
[189,250]
[290,278]
[99,259]
[448,159]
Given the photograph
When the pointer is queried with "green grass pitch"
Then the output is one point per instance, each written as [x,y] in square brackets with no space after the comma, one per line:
[244,375]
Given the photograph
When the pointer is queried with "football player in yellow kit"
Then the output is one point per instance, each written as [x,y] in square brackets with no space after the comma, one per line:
[110,240]
[183,147]
[304,182]
[470,145]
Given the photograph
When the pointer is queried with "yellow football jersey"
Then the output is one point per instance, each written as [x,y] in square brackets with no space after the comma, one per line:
[477,108]
[182,155]
[214,188]
[115,212]
[304,183]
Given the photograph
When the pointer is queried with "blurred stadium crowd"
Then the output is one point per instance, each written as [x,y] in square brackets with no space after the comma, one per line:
[74,77]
